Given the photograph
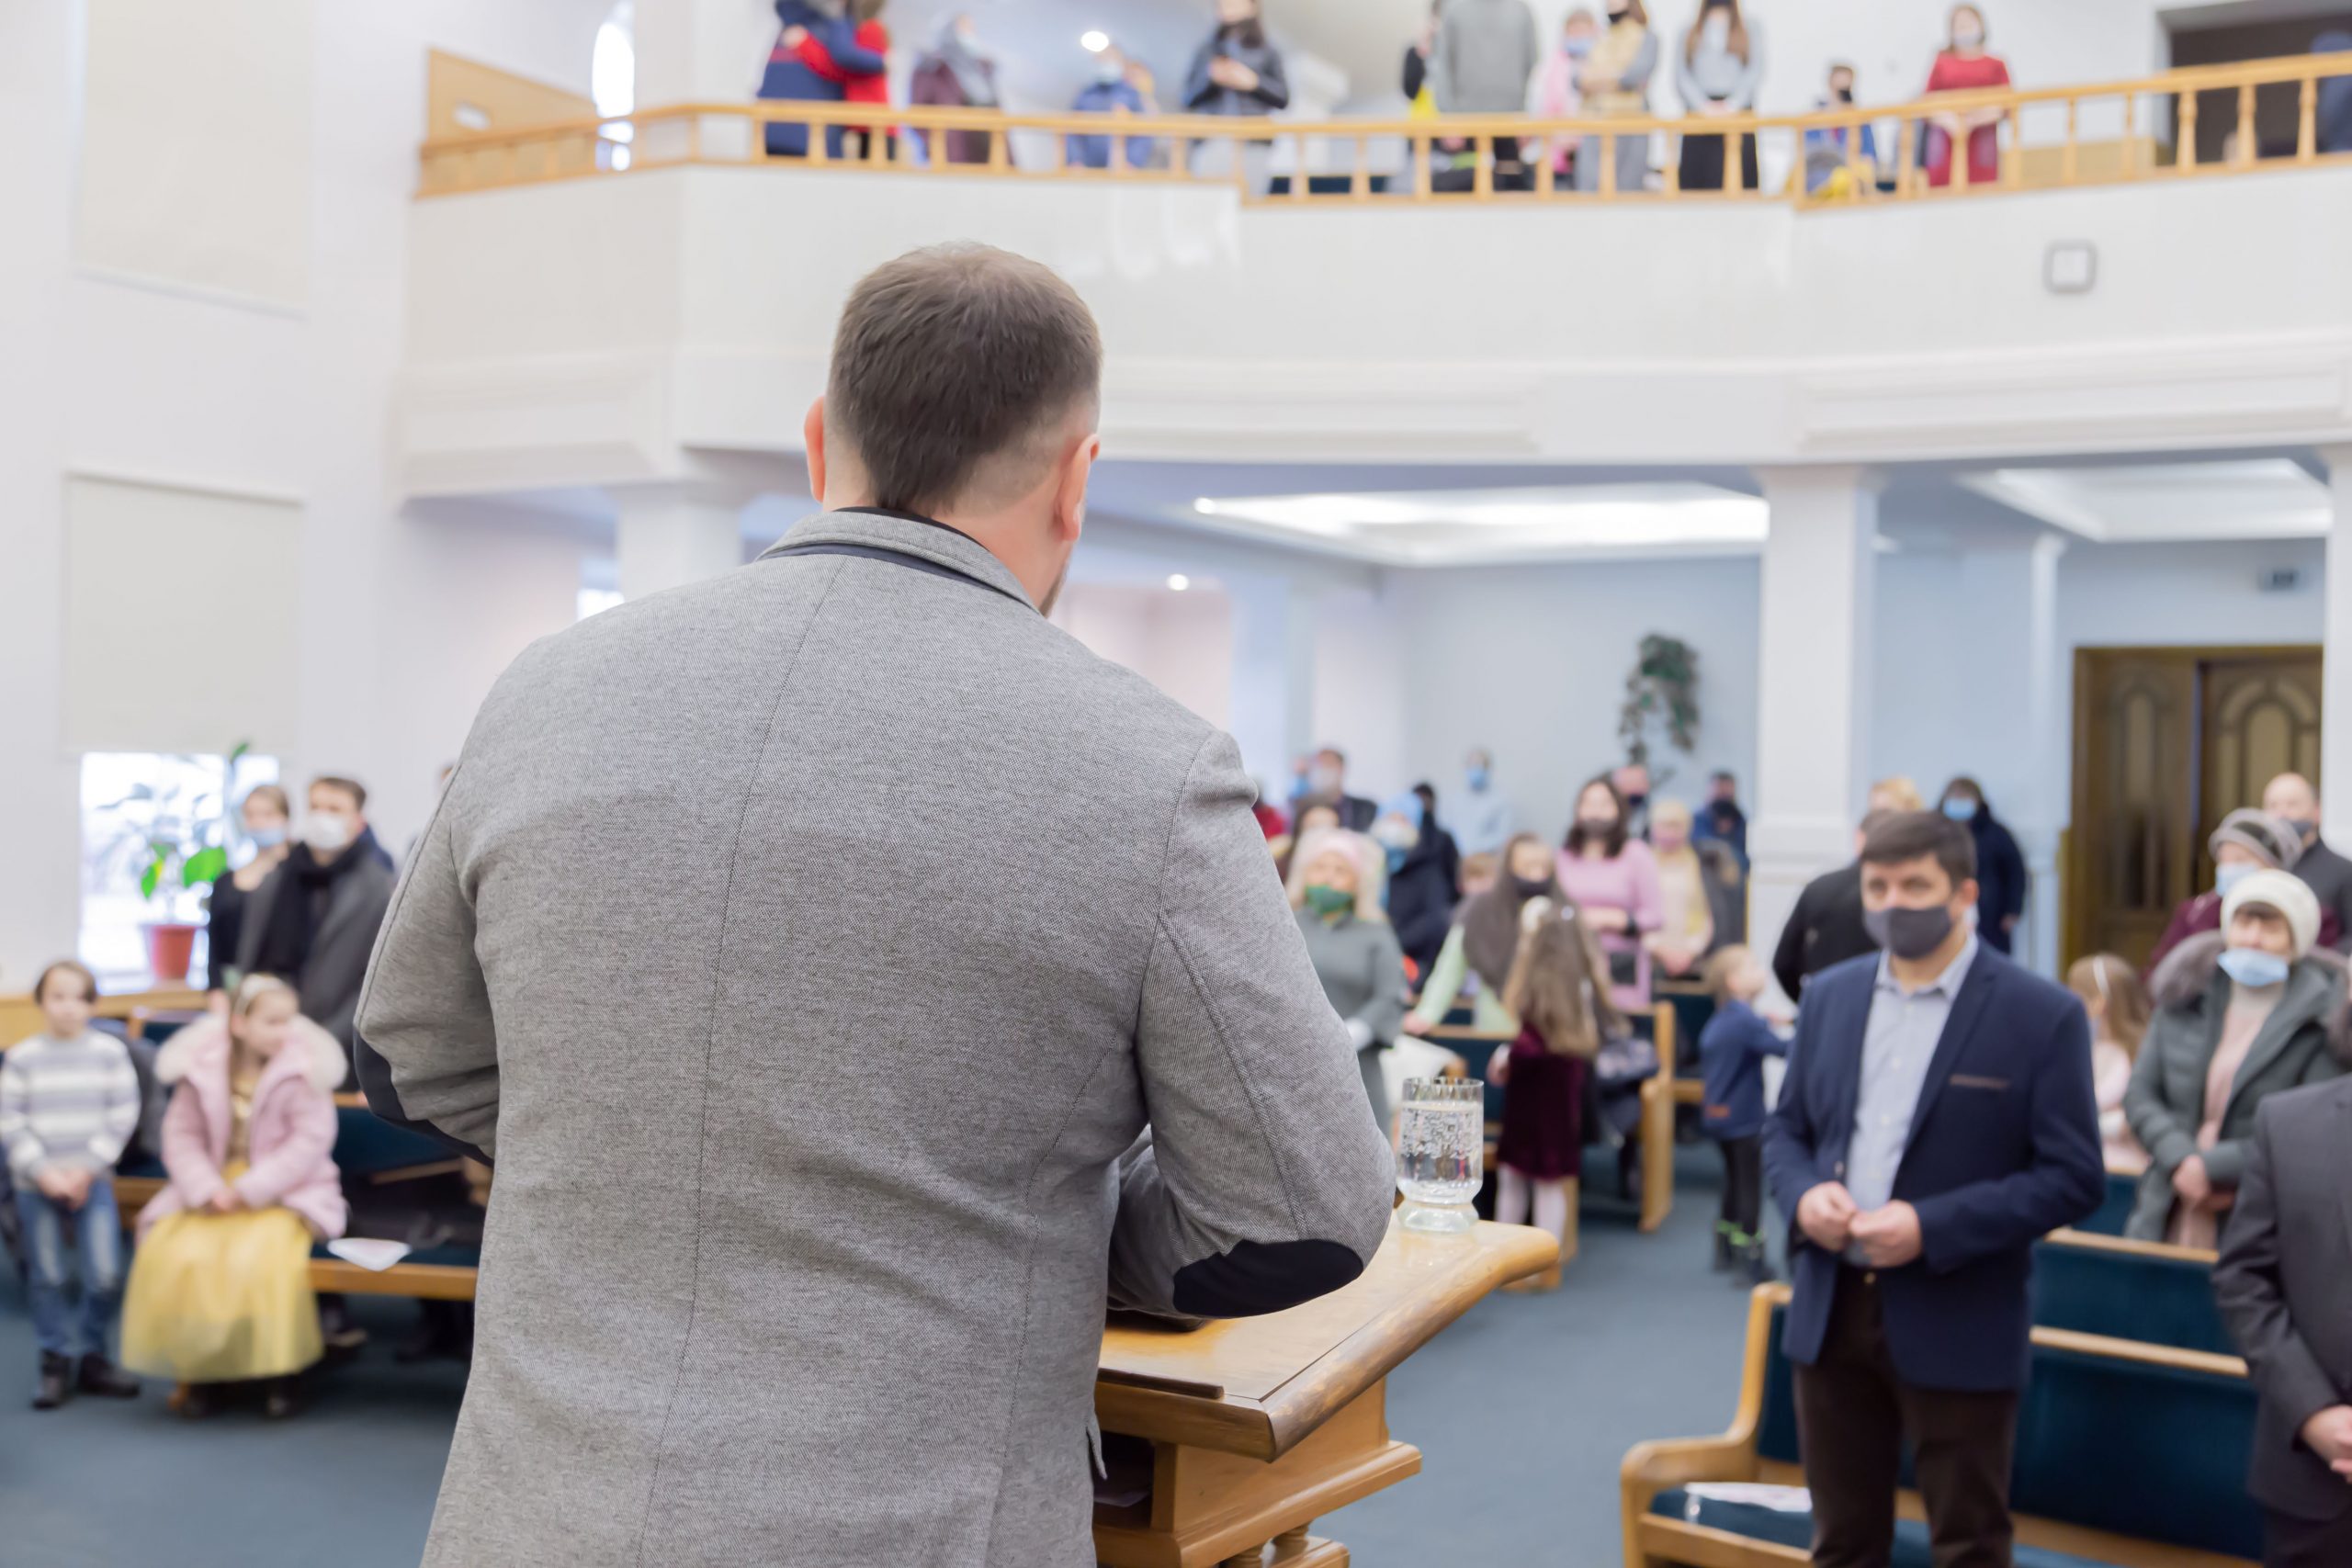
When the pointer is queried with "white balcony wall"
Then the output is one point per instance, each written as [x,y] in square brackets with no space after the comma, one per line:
[602,328]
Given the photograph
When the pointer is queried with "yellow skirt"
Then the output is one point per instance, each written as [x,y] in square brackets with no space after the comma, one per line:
[220,1298]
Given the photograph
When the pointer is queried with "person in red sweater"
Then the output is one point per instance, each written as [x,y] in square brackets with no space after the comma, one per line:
[857,87]
[1963,65]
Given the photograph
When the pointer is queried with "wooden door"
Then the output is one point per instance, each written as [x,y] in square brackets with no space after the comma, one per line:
[2168,741]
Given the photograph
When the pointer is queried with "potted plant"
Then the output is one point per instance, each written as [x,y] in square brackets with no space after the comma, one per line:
[177,835]
[1662,686]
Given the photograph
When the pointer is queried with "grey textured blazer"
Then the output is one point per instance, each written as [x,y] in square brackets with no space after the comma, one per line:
[2283,1281]
[806,946]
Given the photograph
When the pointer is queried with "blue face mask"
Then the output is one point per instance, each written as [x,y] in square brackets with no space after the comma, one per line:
[2229,876]
[267,838]
[1478,779]
[1961,810]
[2254,967]
[1577,47]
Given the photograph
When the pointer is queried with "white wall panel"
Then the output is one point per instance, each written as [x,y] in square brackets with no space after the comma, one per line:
[195,145]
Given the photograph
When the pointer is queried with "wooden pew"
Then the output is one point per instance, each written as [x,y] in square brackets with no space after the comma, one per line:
[2128,1290]
[2129,1453]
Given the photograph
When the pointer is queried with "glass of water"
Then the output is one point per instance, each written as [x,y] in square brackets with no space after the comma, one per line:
[1440,1148]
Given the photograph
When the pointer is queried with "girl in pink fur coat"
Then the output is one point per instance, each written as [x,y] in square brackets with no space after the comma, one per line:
[220,1287]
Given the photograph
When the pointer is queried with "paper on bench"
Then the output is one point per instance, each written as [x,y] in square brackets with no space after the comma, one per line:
[373,1256]
[1779,1500]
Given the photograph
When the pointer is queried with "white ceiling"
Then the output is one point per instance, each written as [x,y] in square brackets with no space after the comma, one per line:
[2242,498]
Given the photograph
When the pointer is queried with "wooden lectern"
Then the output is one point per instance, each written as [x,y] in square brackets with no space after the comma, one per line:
[1228,1437]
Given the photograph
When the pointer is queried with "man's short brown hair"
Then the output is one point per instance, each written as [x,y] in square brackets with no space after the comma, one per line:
[352,788]
[1906,836]
[956,370]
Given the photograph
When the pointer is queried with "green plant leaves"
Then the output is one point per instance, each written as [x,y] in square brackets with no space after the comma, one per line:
[205,867]
[1665,681]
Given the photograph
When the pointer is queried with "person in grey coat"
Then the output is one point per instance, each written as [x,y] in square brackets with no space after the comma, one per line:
[1335,888]
[313,922]
[1486,54]
[809,948]
[2242,1013]
[2283,1279]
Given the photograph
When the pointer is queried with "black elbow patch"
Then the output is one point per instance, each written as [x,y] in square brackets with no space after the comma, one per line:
[1259,1277]
[375,1076]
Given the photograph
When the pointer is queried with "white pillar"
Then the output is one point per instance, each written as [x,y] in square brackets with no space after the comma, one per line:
[1272,702]
[2335,694]
[700,52]
[1813,672]
[2048,802]
[670,535]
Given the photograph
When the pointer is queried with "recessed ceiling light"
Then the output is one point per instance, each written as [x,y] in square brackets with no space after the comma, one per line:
[1177,582]
[1094,40]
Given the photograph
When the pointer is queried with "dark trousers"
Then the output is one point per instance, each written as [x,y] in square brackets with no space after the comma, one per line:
[1853,1414]
[2290,1542]
[859,146]
[1702,162]
[1743,1210]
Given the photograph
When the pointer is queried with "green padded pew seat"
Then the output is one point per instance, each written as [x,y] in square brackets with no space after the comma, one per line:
[2162,1300]
[2104,1442]
[2115,1209]
[365,1145]
[1759,1523]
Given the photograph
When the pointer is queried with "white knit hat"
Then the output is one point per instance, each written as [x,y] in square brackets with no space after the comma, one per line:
[2282,891]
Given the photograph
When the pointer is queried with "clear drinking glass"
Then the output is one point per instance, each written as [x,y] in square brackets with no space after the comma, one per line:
[1440,1148]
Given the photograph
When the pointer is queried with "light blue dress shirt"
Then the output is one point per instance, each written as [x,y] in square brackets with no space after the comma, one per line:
[1482,823]
[1897,1047]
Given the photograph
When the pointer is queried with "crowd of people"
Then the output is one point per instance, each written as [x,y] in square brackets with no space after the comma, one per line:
[237,1107]
[1472,57]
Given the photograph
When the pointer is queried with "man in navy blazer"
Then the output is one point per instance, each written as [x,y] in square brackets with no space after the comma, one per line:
[1937,1120]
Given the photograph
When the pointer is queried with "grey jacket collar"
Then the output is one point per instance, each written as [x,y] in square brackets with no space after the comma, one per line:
[904,534]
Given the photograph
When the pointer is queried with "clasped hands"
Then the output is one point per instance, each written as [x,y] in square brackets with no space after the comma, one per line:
[69,1185]
[2329,1434]
[1888,1237]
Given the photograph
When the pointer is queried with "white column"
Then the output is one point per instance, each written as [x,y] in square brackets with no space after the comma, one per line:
[2049,799]
[1813,672]
[701,52]
[670,535]
[1272,702]
[2335,694]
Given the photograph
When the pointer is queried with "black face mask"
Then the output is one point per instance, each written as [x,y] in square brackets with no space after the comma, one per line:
[1597,827]
[1845,94]
[1531,887]
[1908,933]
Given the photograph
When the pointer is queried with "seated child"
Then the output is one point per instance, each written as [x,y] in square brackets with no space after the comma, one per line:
[1732,1049]
[221,1290]
[69,1100]
[1558,991]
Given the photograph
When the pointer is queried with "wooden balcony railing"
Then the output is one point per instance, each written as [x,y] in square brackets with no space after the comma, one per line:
[2050,137]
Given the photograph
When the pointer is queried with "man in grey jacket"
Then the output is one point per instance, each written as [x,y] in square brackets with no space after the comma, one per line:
[1487,54]
[2284,1276]
[807,947]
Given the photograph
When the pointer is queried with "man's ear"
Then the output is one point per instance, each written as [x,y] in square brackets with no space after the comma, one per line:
[1069,488]
[812,436]
[1967,892]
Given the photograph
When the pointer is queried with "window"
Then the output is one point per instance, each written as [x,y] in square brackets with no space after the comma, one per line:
[612,78]
[130,801]
[593,601]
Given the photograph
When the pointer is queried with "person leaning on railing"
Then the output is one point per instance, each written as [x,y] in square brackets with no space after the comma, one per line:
[956,74]
[1616,81]
[1722,64]
[1963,66]
[1236,72]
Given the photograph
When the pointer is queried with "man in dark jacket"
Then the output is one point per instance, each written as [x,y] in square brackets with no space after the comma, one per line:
[1827,926]
[2000,868]
[2285,1274]
[313,922]
[1936,1121]
[1327,784]
[2323,871]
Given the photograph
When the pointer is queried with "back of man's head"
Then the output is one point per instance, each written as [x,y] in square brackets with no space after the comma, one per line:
[959,374]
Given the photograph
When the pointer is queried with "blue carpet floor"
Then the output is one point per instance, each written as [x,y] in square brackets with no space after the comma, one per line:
[1522,1411]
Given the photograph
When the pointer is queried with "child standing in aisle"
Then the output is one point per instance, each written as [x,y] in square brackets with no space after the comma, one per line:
[1732,1049]
[1558,991]
[69,1100]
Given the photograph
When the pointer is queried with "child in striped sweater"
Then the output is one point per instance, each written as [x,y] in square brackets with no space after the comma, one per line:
[69,1100]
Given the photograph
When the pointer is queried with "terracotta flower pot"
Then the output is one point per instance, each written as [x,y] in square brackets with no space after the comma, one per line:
[169,946]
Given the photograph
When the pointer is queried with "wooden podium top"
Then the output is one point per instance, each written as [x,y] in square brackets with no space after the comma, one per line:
[1255,1386]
